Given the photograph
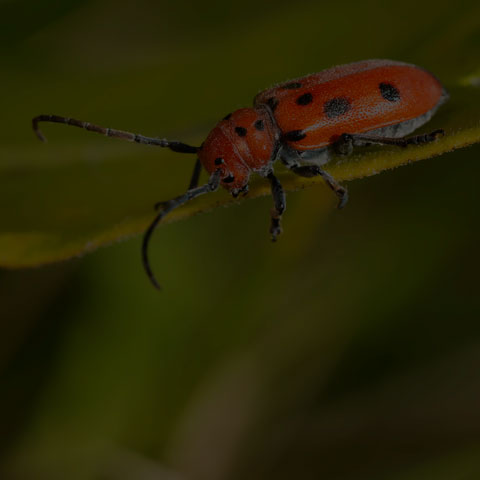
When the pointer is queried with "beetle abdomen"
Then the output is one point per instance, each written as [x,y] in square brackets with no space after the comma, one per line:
[312,111]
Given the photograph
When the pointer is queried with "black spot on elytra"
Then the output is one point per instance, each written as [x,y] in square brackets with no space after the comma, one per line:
[293,85]
[229,179]
[272,102]
[389,92]
[218,161]
[305,99]
[259,125]
[227,117]
[295,135]
[336,106]
[241,131]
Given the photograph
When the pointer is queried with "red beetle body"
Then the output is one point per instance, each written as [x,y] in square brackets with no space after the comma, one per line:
[301,122]
[383,97]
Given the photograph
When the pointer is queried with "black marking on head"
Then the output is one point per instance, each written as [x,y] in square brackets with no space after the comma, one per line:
[227,117]
[272,102]
[229,178]
[389,92]
[336,106]
[259,125]
[295,135]
[240,131]
[219,161]
[293,85]
[305,99]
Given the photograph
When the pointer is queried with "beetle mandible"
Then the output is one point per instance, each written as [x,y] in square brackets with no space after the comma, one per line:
[301,122]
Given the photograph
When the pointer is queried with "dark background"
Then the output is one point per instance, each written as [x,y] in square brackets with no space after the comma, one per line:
[348,350]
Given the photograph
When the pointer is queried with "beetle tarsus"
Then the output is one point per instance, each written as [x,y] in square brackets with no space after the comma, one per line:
[313,171]
[275,226]
[346,142]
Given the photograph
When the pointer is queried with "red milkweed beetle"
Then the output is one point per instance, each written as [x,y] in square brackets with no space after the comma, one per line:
[301,122]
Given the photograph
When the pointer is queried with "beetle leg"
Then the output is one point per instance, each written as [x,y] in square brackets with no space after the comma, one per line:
[289,157]
[313,171]
[345,143]
[279,203]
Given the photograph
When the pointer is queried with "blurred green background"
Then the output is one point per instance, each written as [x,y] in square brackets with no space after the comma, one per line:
[348,350]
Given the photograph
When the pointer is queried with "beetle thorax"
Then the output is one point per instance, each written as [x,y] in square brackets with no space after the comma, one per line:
[243,142]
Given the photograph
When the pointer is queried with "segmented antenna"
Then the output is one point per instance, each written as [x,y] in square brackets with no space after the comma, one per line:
[111,132]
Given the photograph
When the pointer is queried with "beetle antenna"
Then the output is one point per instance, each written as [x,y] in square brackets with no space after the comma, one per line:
[111,132]
[146,241]
[212,185]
